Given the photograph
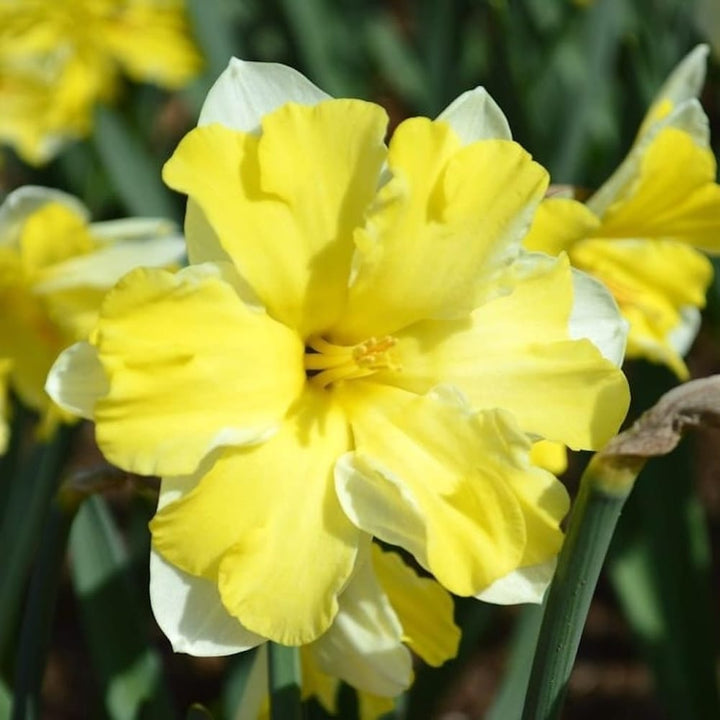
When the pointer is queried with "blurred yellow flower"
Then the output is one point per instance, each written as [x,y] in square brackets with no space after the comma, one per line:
[57,59]
[358,348]
[54,269]
[638,232]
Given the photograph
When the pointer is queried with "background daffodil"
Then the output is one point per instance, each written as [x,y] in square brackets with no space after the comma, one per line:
[58,59]
[638,232]
[358,348]
[55,267]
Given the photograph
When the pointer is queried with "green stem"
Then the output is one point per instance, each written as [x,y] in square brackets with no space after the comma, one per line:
[285,682]
[604,487]
[37,621]
[29,498]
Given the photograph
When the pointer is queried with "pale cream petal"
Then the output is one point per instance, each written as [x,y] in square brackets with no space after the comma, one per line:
[595,316]
[77,380]
[189,611]
[247,91]
[524,585]
[104,267]
[364,646]
[474,116]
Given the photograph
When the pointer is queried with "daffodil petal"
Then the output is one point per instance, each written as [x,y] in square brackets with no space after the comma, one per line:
[28,338]
[188,608]
[190,368]
[675,195]
[364,646]
[688,118]
[551,456]
[189,612]
[104,267]
[514,352]
[315,682]
[684,83]
[524,585]
[558,224]
[77,380]
[247,91]
[654,284]
[424,608]
[23,202]
[474,116]
[284,206]
[151,41]
[373,707]
[434,478]
[445,220]
[594,316]
[264,523]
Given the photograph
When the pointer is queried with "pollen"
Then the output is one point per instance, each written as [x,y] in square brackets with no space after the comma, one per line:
[326,363]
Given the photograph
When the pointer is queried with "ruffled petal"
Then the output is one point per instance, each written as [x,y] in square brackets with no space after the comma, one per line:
[433,478]
[675,195]
[424,608]
[364,646]
[514,353]
[247,91]
[654,283]
[558,224]
[189,368]
[284,206]
[264,524]
[446,219]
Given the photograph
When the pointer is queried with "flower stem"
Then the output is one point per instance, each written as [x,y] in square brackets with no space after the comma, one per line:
[591,528]
[285,682]
[604,488]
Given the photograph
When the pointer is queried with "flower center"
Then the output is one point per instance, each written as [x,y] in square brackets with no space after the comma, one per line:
[326,363]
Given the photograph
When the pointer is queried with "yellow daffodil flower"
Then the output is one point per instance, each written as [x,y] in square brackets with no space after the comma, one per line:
[638,232]
[385,607]
[358,348]
[58,59]
[54,269]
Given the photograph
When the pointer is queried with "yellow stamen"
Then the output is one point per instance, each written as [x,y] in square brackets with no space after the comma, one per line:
[341,362]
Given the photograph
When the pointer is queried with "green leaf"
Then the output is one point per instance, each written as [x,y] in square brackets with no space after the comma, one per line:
[510,697]
[36,629]
[660,570]
[31,490]
[285,682]
[128,668]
